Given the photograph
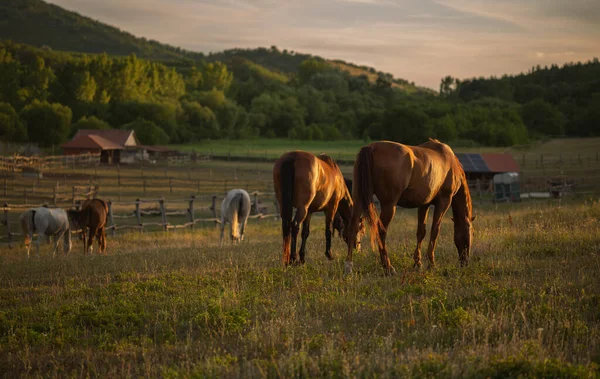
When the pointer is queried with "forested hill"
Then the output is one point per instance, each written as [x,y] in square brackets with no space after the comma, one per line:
[554,100]
[288,62]
[41,24]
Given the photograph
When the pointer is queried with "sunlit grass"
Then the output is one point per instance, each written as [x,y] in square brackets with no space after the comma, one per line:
[177,304]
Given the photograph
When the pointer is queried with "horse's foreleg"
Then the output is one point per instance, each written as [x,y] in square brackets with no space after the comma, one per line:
[57,238]
[222,226]
[305,233]
[67,245]
[387,214]
[353,226]
[421,232]
[38,242]
[440,210]
[329,215]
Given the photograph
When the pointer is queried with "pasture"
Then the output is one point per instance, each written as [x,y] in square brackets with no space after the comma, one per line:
[178,305]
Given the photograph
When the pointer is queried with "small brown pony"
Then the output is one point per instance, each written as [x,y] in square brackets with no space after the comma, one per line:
[93,214]
[410,177]
[310,184]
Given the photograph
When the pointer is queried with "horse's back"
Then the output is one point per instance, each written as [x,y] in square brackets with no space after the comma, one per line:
[416,175]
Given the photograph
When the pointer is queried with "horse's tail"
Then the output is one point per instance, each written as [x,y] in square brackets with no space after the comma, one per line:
[27,225]
[363,187]
[235,208]
[287,179]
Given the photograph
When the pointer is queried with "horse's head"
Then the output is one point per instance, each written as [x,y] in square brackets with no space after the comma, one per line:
[463,237]
[359,234]
[75,218]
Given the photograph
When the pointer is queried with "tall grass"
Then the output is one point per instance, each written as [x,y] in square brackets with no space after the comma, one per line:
[178,305]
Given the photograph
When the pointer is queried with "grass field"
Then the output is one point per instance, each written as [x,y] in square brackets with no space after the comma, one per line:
[178,305]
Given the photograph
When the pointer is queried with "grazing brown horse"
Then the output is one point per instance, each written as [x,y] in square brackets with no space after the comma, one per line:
[410,177]
[93,214]
[310,184]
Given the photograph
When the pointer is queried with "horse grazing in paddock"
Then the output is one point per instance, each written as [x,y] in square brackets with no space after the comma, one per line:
[235,209]
[46,222]
[411,177]
[310,184]
[338,223]
[92,215]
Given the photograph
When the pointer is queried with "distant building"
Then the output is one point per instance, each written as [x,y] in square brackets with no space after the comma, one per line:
[497,172]
[113,145]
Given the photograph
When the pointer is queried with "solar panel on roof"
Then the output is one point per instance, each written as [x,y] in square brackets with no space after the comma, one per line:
[472,162]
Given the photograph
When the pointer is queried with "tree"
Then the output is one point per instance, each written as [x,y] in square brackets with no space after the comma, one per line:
[216,76]
[542,118]
[89,123]
[47,124]
[148,132]
[11,127]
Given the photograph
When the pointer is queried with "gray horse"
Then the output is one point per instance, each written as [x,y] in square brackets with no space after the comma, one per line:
[46,222]
[235,210]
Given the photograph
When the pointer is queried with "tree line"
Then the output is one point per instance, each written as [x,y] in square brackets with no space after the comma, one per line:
[46,96]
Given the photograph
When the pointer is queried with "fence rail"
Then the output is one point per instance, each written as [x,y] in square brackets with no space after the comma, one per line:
[258,211]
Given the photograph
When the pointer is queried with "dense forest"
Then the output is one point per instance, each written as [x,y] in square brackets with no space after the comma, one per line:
[176,96]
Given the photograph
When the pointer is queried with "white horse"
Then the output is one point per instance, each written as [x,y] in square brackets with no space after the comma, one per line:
[46,222]
[235,210]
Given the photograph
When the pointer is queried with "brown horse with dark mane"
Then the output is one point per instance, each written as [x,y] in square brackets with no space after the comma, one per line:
[410,177]
[93,215]
[310,184]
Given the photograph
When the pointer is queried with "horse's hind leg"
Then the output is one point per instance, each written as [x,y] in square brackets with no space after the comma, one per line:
[301,214]
[387,214]
[305,233]
[421,232]
[90,240]
[102,233]
[440,210]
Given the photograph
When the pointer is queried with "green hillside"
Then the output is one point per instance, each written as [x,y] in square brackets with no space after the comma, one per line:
[38,23]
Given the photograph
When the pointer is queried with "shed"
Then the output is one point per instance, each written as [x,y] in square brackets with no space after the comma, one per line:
[109,151]
[484,167]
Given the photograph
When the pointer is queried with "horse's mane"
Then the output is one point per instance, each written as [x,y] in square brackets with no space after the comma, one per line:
[326,158]
[464,187]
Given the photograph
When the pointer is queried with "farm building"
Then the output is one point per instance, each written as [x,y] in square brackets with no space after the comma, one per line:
[496,172]
[114,146]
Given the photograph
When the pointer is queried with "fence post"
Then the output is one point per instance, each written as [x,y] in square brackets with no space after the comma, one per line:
[163,214]
[7,223]
[256,207]
[191,211]
[111,219]
[213,208]
[478,183]
[119,175]
[138,215]
[55,194]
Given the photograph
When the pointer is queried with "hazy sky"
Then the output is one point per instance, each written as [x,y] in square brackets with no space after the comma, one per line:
[418,40]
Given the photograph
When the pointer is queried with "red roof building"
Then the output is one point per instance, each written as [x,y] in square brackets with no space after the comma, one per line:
[114,146]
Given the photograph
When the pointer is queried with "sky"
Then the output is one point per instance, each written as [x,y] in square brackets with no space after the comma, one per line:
[417,40]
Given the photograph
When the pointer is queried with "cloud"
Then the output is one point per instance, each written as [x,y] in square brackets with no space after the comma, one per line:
[419,40]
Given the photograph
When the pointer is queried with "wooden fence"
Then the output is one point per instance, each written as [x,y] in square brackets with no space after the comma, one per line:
[137,213]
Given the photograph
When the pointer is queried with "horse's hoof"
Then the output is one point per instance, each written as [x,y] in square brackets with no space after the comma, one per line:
[417,266]
[431,267]
[329,256]
[348,267]
[390,271]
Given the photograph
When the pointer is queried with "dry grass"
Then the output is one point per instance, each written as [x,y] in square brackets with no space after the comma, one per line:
[179,305]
